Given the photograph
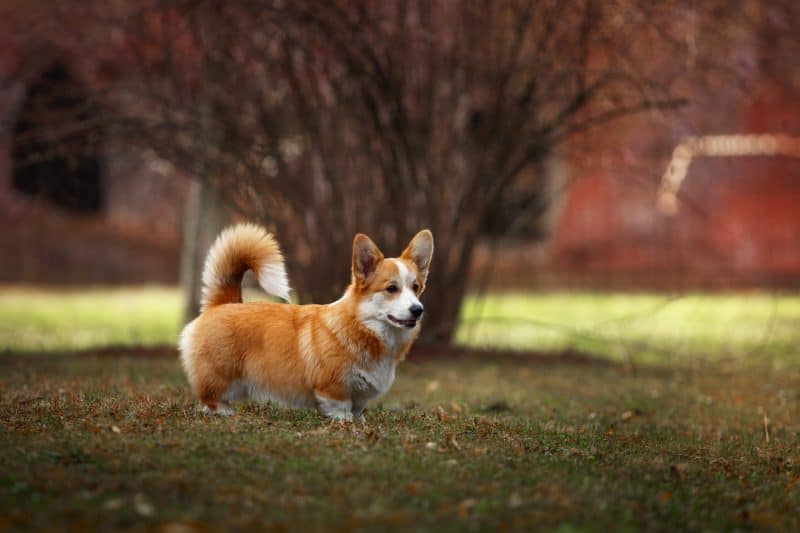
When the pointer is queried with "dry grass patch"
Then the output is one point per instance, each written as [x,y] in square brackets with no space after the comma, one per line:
[468,442]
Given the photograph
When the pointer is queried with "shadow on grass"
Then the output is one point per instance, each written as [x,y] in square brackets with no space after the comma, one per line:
[419,354]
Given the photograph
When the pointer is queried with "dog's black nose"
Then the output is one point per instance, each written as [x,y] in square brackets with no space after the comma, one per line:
[416,310]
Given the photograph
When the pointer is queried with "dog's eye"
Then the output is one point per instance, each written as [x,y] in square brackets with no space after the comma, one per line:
[391,289]
[415,287]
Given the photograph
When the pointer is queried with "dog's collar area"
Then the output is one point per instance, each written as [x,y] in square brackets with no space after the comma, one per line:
[410,323]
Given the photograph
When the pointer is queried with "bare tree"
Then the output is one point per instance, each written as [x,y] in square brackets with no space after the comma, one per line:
[327,118]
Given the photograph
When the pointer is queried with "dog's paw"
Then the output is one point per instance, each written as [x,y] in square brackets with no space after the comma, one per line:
[219,409]
[340,416]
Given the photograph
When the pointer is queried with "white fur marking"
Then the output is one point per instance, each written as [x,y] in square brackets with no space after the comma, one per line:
[242,389]
[221,409]
[186,348]
[375,381]
[273,279]
[407,297]
[374,311]
[335,409]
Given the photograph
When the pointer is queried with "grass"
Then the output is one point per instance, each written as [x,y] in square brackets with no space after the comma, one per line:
[685,417]
[654,328]
[474,442]
[34,319]
[651,328]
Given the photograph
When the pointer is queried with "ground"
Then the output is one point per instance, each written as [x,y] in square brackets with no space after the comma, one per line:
[572,438]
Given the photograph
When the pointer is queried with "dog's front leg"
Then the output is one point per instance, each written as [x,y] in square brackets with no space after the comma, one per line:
[359,404]
[334,408]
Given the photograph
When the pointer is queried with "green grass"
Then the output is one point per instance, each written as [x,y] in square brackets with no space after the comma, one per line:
[475,442]
[648,327]
[688,418]
[645,327]
[36,319]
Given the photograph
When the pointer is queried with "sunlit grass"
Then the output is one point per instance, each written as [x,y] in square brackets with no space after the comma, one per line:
[648,327]
[38,319]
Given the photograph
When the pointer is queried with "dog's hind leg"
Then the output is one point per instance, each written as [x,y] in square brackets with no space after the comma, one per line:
[212,398]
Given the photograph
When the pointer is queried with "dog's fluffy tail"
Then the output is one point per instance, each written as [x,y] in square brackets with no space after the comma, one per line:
[238,249]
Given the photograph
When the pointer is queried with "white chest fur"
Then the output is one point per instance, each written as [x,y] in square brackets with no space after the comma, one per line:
[375,380]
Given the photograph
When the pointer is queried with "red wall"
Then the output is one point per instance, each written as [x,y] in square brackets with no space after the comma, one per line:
[739,220]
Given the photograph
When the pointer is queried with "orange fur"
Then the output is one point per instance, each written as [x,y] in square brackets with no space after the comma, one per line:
[297,355]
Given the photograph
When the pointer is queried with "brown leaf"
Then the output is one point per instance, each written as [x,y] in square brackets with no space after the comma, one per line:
[413,488]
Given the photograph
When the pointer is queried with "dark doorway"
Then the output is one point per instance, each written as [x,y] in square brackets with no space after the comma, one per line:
[56,146]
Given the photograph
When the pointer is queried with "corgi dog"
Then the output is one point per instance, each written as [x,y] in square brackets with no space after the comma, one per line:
[334,357]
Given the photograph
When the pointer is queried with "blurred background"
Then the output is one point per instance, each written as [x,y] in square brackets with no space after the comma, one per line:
[619,178]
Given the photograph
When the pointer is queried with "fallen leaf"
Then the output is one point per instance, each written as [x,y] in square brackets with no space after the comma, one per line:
[514,500]
[113,504]
[413,488]
[432,386]
[142,506]
[116,429]
[441,414]
[627,415]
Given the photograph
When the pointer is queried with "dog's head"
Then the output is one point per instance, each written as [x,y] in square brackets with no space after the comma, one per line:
[389,289]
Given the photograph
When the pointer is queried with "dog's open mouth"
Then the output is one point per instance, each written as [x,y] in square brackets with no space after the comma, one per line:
[410,323]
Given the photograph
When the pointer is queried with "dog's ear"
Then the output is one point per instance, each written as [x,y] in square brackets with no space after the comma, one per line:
[420,251]
[366,257]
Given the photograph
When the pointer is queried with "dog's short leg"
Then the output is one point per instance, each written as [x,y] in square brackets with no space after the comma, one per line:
[334,408]
[217,408]
[358,409]
[211,396]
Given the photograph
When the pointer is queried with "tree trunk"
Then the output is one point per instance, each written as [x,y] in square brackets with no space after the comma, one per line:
[204,217]
[205,213]
[446,289]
